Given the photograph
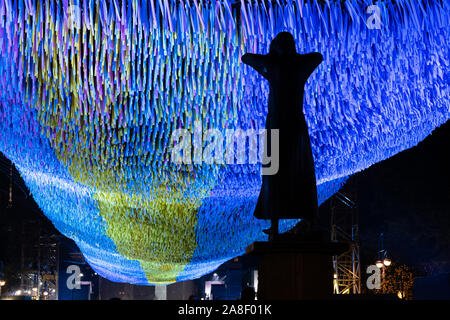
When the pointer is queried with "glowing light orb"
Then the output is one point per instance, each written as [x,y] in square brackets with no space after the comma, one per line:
[90,93]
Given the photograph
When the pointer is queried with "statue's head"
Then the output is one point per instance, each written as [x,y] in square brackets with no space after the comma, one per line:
[283,44]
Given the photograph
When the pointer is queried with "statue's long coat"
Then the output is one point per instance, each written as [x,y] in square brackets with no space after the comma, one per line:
[291,192]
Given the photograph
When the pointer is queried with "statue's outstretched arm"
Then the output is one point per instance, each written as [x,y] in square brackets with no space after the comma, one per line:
[310,62]
[258,62]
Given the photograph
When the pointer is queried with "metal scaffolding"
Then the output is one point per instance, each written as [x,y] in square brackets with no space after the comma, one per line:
[344,227]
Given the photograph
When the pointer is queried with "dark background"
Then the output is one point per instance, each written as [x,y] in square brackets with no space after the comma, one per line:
[407,198]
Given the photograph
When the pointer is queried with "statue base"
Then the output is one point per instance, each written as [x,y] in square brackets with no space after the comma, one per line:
[295,269]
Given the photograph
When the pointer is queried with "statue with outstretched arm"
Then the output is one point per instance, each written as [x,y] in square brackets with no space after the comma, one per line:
[290,193]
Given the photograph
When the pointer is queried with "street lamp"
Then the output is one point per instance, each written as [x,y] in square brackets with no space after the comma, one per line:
[2,283]
[383,261]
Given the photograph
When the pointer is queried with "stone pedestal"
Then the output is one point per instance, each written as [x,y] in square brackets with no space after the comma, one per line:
[291,269]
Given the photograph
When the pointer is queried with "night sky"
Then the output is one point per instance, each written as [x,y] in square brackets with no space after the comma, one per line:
[407,197]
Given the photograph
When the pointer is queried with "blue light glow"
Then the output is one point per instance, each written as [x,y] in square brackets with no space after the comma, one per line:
[90,93]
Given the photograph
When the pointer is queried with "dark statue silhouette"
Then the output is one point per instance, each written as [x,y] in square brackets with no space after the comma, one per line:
[291,192]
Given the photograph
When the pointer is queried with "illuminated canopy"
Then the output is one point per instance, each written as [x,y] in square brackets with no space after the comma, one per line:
[90,92]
